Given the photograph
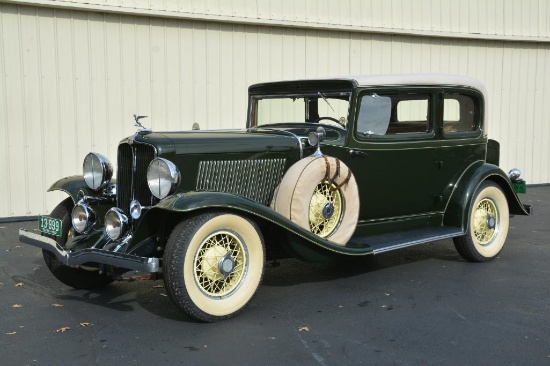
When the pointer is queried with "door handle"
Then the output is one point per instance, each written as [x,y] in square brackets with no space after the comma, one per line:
[357,153]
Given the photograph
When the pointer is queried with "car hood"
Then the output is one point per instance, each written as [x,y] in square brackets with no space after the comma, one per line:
[219,141]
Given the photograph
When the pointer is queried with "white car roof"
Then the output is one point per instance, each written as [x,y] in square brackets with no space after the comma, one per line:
[419,79]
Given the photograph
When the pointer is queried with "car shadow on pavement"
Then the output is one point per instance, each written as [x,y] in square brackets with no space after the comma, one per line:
[290,272]
[151,296]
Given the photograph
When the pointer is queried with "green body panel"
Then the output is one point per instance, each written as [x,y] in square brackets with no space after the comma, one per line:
[71,186]
[218,142]
[188,148]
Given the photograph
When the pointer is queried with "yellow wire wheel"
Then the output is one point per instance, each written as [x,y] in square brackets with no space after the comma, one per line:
[488,225]
[485,221]
[213,264]
[320,195]
[220,263]
[325,209]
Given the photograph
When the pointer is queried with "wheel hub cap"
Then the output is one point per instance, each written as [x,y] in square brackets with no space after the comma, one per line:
[328,210]
[491,222]
[226,265]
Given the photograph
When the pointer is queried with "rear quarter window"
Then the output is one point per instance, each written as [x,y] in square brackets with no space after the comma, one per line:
[460,113]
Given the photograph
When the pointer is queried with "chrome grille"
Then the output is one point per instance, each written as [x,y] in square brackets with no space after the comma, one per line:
[132,174]
[252,179]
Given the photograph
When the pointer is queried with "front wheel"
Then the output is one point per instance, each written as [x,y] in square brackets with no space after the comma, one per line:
[488,225]
[213,264]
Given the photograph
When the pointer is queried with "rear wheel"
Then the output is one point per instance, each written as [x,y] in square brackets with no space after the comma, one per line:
[213,264]
[74,277]
[488,225]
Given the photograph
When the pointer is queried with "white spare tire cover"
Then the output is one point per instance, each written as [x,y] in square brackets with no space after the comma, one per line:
[320,194]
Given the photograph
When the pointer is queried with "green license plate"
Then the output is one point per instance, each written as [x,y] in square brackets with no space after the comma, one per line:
[49,225]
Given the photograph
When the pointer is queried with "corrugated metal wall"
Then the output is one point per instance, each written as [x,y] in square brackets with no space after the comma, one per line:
[70,80]
[476,18]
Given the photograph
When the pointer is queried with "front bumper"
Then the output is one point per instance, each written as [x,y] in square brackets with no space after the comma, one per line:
[101,256]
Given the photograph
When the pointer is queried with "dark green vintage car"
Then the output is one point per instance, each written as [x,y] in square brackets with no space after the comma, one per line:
[349,166]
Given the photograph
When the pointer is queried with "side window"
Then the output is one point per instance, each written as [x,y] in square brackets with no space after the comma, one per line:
[393,114]
[374,115]
[460,113]
[412,111]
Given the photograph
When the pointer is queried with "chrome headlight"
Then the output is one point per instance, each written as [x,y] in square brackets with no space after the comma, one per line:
[163,177]
[116,223]
[97,171]
[82,218]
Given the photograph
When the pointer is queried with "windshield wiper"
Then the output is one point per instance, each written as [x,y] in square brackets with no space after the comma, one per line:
[325,99]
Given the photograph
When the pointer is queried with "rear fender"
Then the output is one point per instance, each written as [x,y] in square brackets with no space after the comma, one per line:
[458,208]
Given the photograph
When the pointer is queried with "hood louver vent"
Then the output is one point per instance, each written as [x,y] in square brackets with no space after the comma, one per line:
[252,179]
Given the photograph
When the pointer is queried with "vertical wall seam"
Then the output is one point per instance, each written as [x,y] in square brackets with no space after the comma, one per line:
[75,88]
[149,43]
[5,109]
[121,81]
[193,73]
[23,112]
[179,118]
[41,104]
[58,94]
[136,64]
[91,74]
[106,80]
[166,72]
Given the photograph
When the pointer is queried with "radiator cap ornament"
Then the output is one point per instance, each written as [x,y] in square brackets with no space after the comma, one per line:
[142,130]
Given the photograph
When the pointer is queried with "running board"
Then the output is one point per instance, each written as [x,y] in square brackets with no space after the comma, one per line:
[392,241]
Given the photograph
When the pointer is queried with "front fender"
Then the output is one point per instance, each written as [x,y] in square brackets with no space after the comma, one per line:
[194,201]
[71,186]
[458,209]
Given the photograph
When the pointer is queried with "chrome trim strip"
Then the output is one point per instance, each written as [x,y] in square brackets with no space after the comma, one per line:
[122,260]
[416,242]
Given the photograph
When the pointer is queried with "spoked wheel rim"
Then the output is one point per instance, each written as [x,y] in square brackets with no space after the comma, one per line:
[325,209]
[486,221]
[220,264]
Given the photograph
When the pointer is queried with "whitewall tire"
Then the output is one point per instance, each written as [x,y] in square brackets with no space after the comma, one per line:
[488,225]
[213,265]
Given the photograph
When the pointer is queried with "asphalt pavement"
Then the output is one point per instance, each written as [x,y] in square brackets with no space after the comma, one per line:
[418,306]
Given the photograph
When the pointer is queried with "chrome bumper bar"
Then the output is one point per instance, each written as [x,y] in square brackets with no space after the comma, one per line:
[122,260]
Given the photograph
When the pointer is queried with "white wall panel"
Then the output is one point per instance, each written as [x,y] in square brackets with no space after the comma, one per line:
[448,18]
[71,80]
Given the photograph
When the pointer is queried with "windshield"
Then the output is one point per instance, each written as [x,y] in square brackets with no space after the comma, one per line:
[324,108]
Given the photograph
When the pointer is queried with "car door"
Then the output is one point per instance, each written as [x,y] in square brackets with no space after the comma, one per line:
[393,152]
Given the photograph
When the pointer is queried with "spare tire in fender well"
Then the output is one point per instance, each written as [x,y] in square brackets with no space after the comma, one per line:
[320,194]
